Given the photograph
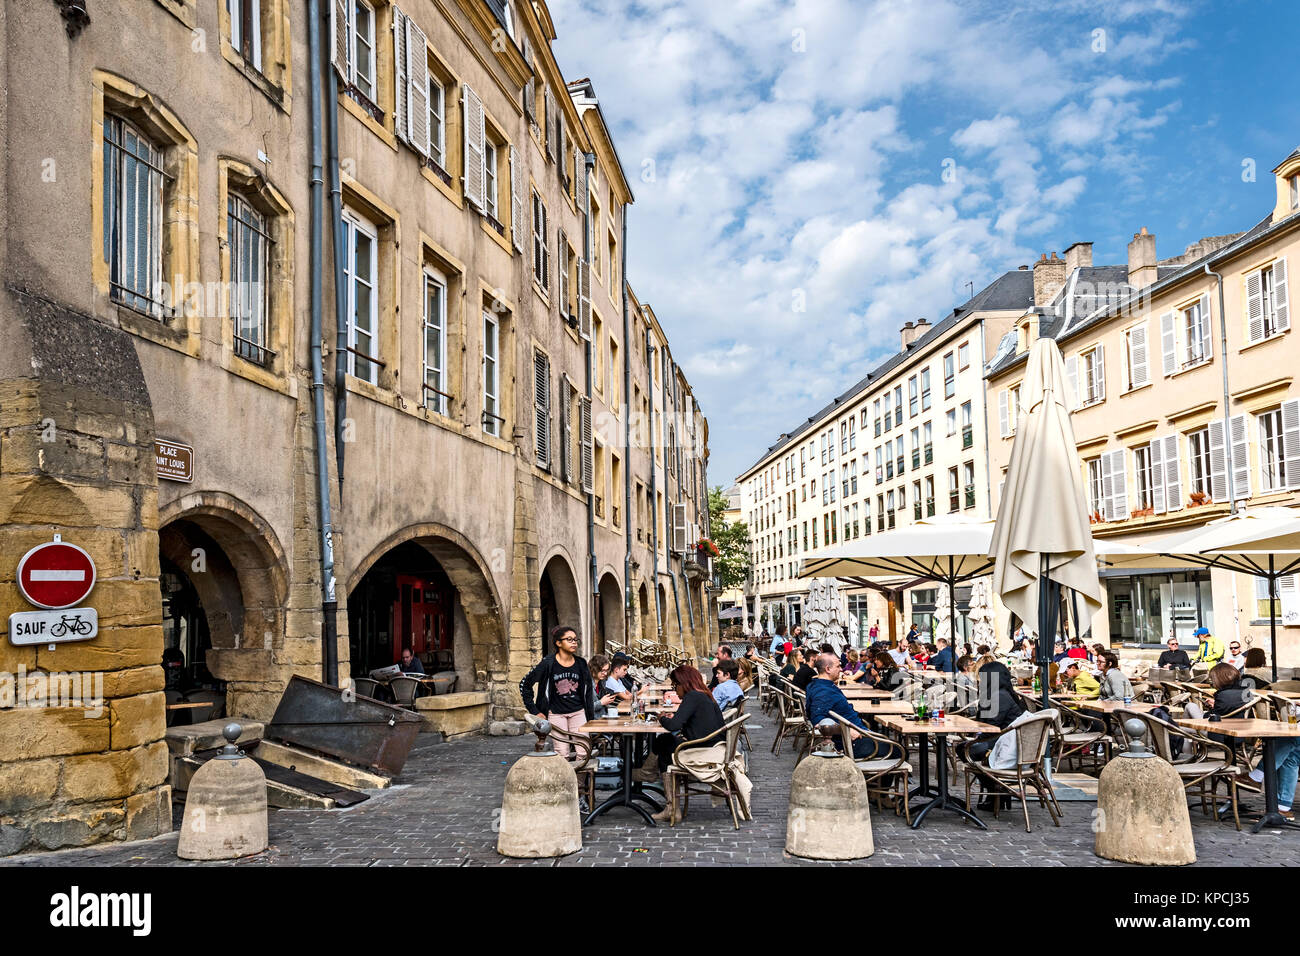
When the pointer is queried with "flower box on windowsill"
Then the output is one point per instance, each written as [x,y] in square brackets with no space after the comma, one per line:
[1198,499]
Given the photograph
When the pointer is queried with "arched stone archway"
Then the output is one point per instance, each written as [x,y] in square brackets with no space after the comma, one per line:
[609,613]
[560,603]
[224,591]
[648,628]
[427,587]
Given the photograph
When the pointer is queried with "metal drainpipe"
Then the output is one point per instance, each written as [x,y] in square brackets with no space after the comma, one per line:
[627,441]
[589,160]
[1227,413]
[654,491]
[329,604]
[984,413]
[340,283]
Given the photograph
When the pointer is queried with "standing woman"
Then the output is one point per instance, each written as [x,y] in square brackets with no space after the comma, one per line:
[566,695]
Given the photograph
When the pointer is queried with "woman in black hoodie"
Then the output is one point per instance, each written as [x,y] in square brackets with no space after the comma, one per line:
[566,695]
[999,706]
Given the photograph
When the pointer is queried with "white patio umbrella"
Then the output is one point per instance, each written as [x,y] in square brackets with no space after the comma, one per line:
[1041,539]
[948,550]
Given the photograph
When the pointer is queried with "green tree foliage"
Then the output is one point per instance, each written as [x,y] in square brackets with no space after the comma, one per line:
[732,563]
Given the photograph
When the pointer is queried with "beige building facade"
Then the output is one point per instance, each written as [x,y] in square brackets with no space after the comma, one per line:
[1186,409]
[509,442]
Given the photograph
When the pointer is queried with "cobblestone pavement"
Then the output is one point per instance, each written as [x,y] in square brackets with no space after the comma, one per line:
[443,808]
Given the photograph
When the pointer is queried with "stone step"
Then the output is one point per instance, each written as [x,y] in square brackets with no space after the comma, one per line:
[321,767]
[279,795]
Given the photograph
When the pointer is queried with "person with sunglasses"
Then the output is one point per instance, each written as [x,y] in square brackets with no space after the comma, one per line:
[566,694]
[1236,656]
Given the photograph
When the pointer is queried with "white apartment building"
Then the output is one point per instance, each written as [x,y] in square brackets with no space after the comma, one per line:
[907,442]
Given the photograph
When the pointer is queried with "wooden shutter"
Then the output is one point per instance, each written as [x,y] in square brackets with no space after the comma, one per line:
[584,299]
[549,132]
[1155,455]
[1171,453]
[401,83]
[1281,307]
[1255,305]
[1003,429]
[1291,442]
[475,176]
[1101,372]
[588,447]
[566,428]
[1140,367]
[530,85]
[1238,435]
[1218,461]
[562,272]
[1072,381]
[1169,342]
[1102,502]
[1207,330]
[516,203]
[1118,506]
[542,407]
[339,37]
[677,540]
[417,102]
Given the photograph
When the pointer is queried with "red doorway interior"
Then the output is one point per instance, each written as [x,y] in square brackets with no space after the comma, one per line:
[421,617]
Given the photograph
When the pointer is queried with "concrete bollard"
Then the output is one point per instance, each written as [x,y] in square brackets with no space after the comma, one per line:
[225,809]
[1142,808]
[539,809]
[830,814]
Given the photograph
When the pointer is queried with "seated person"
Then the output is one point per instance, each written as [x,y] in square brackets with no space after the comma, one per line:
[1077,650]
[1254,659]
[887,673]
[825,698]
[901,655]
[999,706]
[1058,652]
[919,654]
[727,691]
[1175,658]
[853,670]
[619,683]
[803,675]
[410,663]
[1078,680]
[942,658]
[599,667]
[793,661]
[697,717]
[723,654]
[1115,684]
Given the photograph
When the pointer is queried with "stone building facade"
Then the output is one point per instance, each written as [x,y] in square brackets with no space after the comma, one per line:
[502,455]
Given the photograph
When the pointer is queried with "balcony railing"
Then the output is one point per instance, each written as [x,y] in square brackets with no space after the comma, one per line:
[970,496]
[929,507]
[916,510]
[967,436]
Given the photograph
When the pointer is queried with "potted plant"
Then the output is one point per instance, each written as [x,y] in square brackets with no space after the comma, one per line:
[706,548]
[1197,499]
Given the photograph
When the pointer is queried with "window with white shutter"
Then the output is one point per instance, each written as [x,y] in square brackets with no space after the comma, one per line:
[1291,443]
[474,134]
[1098,485]
[1156,458]
[1238,433]
[1137,358]
[417,81]
[516,202]
[1171,453]
[1267,309]
[541,252]
[1218,461]
[548,132]
[1003,427]
[566,428]
[588,446]
[542,408]
[1072,381]
[1117,503]
[1169,343]
[401,78]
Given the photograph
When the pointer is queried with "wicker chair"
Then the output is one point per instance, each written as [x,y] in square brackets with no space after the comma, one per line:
[1032,738]
[791,723]
[1080,735]
[682,781]
[1203,762]
[403,690]
[365,686]
[583,758]
[886,773]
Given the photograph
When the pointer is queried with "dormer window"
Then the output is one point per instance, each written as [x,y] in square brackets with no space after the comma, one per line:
[1294,182]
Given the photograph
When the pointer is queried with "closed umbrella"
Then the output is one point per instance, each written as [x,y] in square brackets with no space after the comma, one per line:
[1041,539]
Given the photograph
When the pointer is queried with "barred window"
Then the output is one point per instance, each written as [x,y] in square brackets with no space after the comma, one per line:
[249,240]
[133,201]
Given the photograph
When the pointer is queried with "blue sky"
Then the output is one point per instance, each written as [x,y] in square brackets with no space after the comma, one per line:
[869,159]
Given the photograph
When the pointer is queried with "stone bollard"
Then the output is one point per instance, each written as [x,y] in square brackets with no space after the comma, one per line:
[539,810]
[830,815]
[225,810]
[1142,808]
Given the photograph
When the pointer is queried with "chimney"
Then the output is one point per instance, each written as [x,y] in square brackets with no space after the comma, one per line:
[907,333]
[1049,277]
[1078,256]
[1142,259]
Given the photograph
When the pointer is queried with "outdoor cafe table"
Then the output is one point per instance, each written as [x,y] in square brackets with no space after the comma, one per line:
[1270,731]
[865,693]
[925,729]
[1110,706]
[881,708]
[627,730]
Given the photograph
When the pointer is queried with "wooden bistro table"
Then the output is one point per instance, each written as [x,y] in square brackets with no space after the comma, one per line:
[1270,731]
[1110,706]
[882,708]
[853,692]
[925,729]
[627,730]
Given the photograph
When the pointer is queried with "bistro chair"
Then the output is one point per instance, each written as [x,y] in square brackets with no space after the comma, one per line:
[683,780]
[790,722]
[1290,686]
[582,758]
[736,710]
[1032,738]
[366,686]
[403,690]
[886,772]
[1082,736]
[1202,764]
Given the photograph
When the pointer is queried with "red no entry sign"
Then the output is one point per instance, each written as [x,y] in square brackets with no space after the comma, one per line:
[56,575]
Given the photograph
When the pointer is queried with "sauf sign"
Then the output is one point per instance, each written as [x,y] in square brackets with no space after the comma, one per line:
[55,576]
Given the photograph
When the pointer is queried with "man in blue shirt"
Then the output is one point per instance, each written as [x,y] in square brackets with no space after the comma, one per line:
[727,692]
[826,698]
[942,660]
